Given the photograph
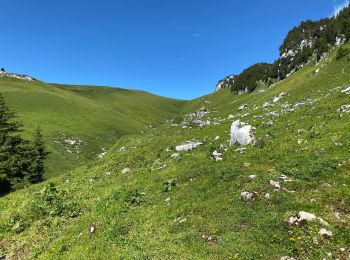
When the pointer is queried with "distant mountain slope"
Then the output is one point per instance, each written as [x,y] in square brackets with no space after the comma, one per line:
[79,123]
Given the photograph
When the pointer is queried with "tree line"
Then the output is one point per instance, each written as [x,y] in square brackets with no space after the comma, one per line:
[21,161]
[309,39]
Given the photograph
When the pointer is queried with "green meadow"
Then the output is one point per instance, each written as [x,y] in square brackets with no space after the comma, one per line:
[146,200]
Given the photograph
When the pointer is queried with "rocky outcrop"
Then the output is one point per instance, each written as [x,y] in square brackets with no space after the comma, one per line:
[16,76]
[225,83]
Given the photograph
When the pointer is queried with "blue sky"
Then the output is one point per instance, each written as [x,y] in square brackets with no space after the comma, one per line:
[175,48]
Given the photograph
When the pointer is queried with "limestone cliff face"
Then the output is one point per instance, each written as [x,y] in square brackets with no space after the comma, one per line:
[225,83]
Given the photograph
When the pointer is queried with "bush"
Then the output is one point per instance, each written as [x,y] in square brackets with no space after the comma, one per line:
[16,223]
[50,202]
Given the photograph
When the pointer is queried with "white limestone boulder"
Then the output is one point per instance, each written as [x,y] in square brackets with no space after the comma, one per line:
[241,133]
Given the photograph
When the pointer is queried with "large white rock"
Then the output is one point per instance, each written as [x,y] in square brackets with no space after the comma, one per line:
[187,146]
[241,133]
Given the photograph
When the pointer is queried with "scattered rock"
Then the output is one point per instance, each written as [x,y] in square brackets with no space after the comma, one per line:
[242,107]
[285,178]
[187,146]
[126,170]
[102,154]
[346,91]
[325,233]
[344,109]
[180,220]
[303,218]
[287,258]
[197,117]
[175,155]
[275,184]
[248,196]
[278,98]
[93,229]
[326,186]
[217,156]
[246,165]
[241,133]
[251,178]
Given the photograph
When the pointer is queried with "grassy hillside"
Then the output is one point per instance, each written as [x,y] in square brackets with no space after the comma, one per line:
[79,122]
[143,202]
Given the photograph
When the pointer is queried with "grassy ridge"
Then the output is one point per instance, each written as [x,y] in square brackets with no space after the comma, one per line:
[98,116]
[190,207]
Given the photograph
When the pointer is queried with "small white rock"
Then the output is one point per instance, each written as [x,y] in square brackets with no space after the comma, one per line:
[325,233]
[126,170]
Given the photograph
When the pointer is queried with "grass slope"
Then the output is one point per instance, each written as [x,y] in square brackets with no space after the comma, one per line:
[190,207]
[98,116]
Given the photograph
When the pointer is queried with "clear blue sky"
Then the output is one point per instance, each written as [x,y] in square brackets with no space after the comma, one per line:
[175,48]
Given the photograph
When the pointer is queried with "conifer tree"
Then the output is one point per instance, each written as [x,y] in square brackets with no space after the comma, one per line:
[39,154]
[10,145]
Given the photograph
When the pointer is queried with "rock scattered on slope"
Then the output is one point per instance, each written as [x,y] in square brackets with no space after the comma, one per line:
[102,154]
[248,196]
[197,117]
[241,133]
[242,107]
[71,144]
[251,178]
[346,91]
[287,258]
[188,146]
[217,156]
[303,218]
[325,233]
[279,97]
[275,184]
[344,109]
[126,170]
[175,155]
